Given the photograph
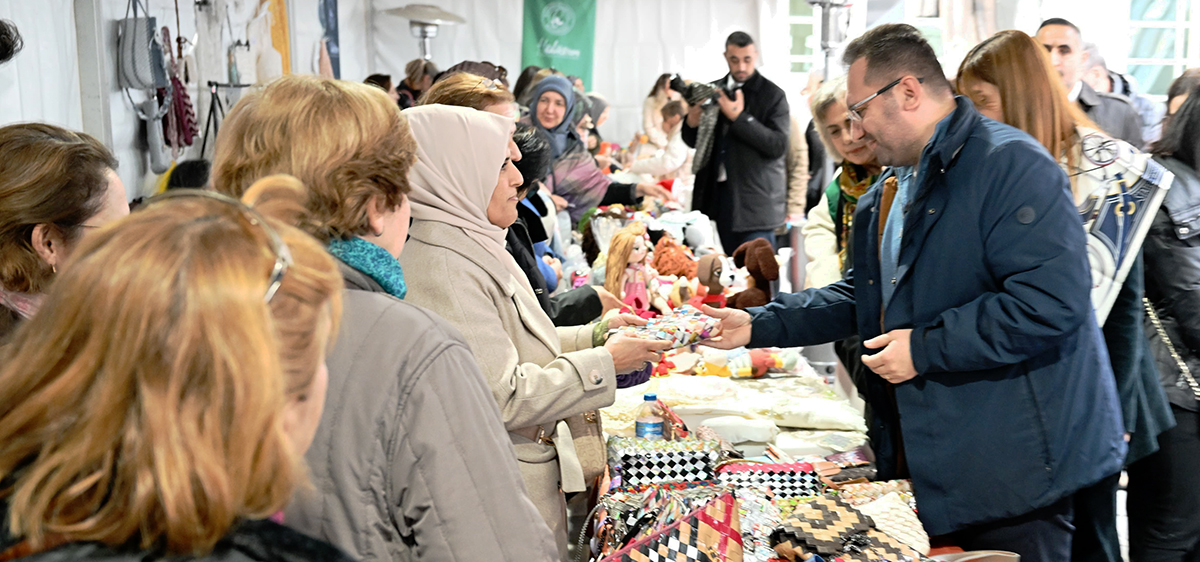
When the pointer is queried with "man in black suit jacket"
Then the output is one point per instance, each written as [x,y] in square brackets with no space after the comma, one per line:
[1115,114]
[743,185]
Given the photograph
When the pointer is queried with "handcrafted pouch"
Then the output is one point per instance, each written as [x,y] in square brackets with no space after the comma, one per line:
[637,462]
[828,527]
[791,480]
[710,534]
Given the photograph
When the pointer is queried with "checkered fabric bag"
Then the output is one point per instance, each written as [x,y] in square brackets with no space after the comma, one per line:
[791,480]
[638,462]
[828,527]
[710,534]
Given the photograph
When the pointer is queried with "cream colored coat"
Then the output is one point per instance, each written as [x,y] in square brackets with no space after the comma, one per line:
[540,375]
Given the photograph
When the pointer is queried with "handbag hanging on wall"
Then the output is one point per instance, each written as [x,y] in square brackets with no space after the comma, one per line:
[140,63]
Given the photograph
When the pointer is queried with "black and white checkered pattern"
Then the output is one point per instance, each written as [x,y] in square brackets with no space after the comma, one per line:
[785,484]
[674,466]
[675,550]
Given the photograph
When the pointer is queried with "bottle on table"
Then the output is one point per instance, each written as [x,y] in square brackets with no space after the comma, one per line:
[649,424]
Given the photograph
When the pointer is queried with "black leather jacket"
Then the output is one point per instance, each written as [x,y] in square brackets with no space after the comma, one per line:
[1172,252]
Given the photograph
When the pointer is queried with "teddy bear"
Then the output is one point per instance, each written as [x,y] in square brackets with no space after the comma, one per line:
[758,257]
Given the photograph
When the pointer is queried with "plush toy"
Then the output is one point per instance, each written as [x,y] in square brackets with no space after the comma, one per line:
[673,258]
[758,258]
[715,273]
[743,363]
[682,291]
[628,274]
[758,362]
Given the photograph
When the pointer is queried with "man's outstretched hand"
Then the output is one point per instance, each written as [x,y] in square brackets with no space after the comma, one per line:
[734,327]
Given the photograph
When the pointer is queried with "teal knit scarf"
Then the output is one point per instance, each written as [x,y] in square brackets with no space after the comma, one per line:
[374,261]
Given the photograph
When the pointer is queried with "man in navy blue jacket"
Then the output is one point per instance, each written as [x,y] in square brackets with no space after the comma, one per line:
[970,291]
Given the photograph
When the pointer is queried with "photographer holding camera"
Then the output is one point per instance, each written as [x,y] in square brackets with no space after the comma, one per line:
[742,182]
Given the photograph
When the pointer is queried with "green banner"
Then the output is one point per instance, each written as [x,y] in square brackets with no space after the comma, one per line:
[560,34]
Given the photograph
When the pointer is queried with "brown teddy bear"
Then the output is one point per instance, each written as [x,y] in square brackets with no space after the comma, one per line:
[758,257]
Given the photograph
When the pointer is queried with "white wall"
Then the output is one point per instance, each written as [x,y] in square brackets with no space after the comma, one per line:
[42,82]
[636,41]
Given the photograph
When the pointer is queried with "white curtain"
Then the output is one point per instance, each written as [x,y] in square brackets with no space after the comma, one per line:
[636,40]
[42,82]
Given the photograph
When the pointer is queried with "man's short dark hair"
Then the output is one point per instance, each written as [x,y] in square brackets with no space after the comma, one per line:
[739,39]
[10,40]
[895,50]
[1060,21]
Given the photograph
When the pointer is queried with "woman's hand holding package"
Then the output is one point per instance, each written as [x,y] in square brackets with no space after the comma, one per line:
[630,354]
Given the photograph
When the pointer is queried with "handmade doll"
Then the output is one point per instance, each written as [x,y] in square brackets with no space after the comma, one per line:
[628,274]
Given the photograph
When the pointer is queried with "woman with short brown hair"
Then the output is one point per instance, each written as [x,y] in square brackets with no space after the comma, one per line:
[403,381]
[55,184]
[161,406]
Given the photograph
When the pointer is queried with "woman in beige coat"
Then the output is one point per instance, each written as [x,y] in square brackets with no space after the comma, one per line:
[463,198]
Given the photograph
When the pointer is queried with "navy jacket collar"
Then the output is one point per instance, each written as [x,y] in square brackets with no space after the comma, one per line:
[962,124]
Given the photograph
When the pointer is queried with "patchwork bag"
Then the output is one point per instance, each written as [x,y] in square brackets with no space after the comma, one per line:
[791,480]
[710,534]
[637,462]
[828,527]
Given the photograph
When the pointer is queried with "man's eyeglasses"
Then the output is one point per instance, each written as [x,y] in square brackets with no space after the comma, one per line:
[856,117]
[283,255]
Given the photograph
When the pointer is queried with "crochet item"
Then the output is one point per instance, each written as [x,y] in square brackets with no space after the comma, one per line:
[892,515]
[684,326]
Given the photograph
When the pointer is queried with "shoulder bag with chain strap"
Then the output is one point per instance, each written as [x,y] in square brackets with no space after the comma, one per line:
[1184,372]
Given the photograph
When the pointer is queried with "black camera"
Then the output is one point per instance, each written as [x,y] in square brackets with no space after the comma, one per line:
[697,93]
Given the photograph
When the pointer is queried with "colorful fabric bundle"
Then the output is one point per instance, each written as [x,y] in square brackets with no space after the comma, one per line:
[759,517]
[784,480]
[636,462]
[685,326]
[828,527]
[859,494]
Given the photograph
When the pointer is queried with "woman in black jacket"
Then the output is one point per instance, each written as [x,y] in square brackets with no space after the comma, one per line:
[1164,488]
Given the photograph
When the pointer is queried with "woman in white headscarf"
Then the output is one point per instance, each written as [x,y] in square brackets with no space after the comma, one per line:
[464,197]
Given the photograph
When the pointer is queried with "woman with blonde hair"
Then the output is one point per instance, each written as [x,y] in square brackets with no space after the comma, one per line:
[55,186]
[403,383]
[828,234]
[418,77]
[471,90]
[545,379]
[172,423]
[1010,79]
